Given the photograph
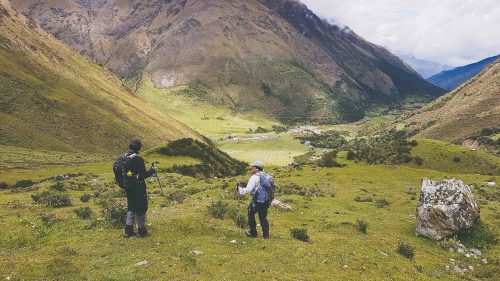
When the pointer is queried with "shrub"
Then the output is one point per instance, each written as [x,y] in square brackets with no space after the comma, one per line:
[362,226]
[299,234]
[406,249]
[24,183]
[329,139]
[381,203]
[328,160]
[449,243]
[279,129]
[175,196]
[3,185]
[218,209]
[456,159]
[114,212]
[85,197]
[361,199]
[392,147]
[58,186]
[240,220]
[418,160]
[51,199]
[49,219]
[83,212]
[479,236]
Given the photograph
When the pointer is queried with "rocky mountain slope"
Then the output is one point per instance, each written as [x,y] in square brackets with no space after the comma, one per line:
[272,55]
[450,79]
[464,112]
[53,98]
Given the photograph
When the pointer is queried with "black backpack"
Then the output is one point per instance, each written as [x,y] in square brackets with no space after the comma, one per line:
[121,168]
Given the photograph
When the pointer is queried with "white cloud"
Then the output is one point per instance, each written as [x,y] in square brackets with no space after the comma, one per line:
[450,32]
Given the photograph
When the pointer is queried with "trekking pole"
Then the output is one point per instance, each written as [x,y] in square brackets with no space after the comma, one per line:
[158,178]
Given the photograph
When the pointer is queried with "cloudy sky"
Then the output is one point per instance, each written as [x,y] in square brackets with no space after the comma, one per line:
[449,32]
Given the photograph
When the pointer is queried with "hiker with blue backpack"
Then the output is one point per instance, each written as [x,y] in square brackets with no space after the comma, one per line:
[261,187]
[130,174]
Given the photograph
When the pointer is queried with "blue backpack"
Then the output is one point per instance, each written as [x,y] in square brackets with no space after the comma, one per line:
[265,193]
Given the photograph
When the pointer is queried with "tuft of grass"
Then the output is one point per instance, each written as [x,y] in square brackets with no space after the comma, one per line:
[85,197]
[218,209]
[58,186]
[479,236]
[363,199]
[362,226]
[83,212]
[381,203]
[240,220]
[175,196]
[49,219]
[406,250]
[299,234]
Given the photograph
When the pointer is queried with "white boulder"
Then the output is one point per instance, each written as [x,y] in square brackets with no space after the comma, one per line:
[444,208]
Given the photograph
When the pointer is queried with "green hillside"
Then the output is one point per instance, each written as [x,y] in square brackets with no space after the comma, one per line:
[53,98]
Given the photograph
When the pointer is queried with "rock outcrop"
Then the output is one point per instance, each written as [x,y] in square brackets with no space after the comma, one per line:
[445,207]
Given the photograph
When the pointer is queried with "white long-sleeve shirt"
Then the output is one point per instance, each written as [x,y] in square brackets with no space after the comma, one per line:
[252,186]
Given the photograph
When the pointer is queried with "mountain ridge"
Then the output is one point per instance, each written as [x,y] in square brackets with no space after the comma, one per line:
[275,56]
[464,112]
[451,79]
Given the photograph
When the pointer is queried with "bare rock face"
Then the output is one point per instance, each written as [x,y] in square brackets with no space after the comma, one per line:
[445,207]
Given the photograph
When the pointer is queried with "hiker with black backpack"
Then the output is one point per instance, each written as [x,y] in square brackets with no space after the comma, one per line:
[130,173]
[261,187]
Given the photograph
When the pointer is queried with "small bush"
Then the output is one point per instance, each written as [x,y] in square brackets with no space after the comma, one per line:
[240,220]
[59,186]
[406,249]
[479,236]
[83,212]
[49,219]
[361,199]
[114,212]
[175,196]
[3,185]
[381,203]
[418,160]
[328,160]
[299,234]
[51,199]
[449,243]
[362,226]
[24,183]
[218,209]
[457,159]
[85,197]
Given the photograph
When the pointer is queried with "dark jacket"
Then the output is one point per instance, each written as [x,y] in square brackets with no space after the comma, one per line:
[137,196]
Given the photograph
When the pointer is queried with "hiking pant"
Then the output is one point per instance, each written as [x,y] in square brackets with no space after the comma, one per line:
[141,219]
[261,210]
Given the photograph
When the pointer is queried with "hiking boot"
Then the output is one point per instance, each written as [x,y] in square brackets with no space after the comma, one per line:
[250,234]
[265,235]
[143,232]
[129,231]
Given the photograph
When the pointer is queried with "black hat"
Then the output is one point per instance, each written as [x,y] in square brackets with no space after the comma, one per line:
[135,144]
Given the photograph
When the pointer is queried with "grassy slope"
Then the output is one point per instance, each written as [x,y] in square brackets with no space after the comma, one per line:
[66,249]
[440,156]
[183,104]
[463,112]
[53,98]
